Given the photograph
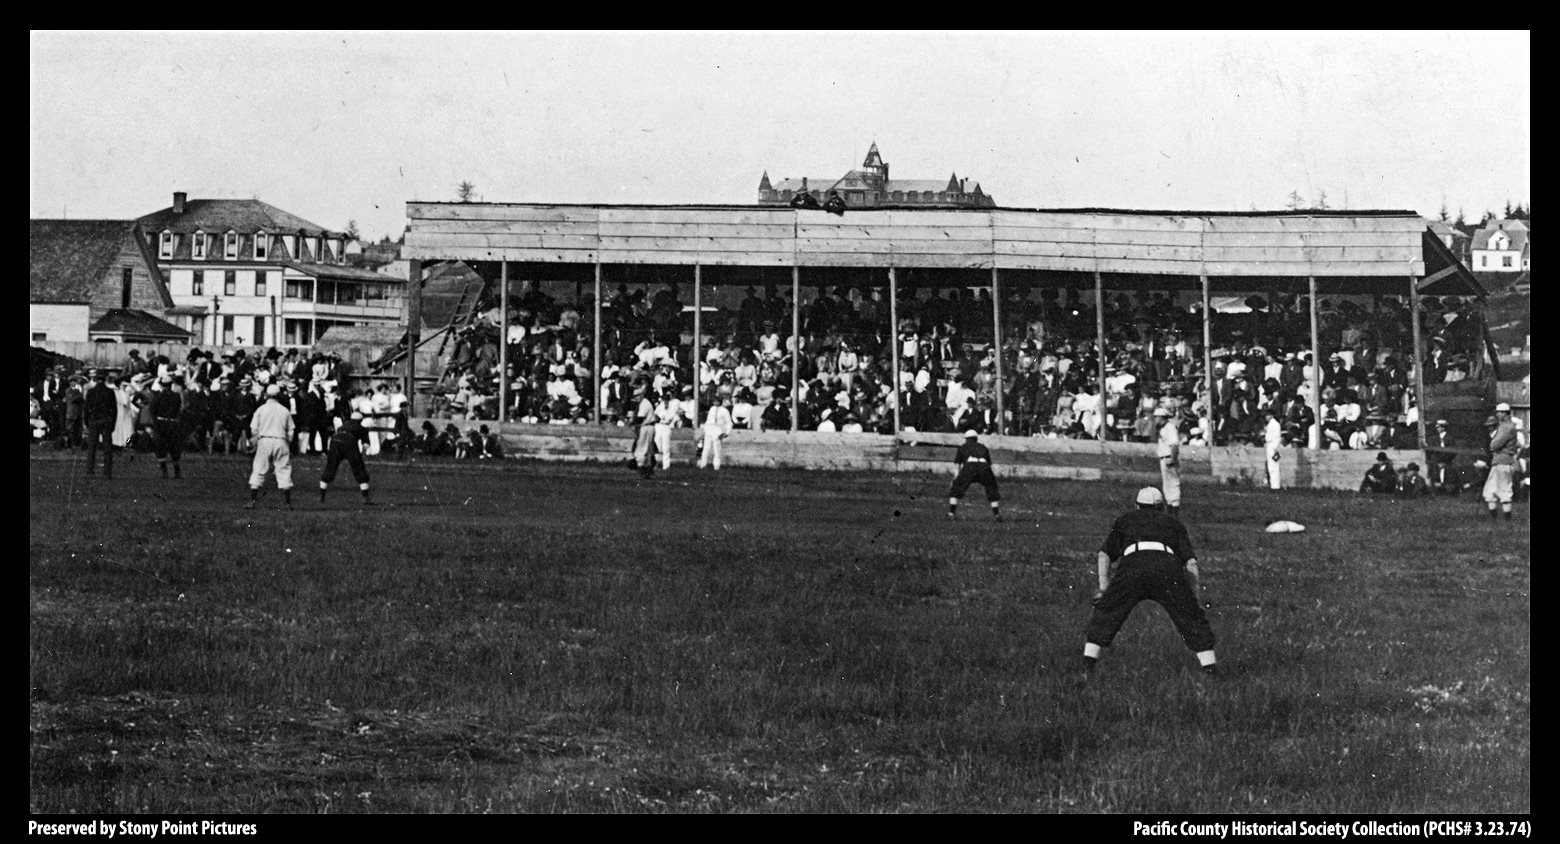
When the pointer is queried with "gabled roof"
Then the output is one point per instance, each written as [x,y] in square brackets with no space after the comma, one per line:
[219,215]
[67,258]
[917,185]
[136,323]
[812,184]
[1515,229]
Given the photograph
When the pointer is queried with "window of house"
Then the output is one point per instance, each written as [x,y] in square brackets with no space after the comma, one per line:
[1505,260]
[259,284]
[198,326]
[40,336]
[314,248]
[300,289]
[126,285]
[198,284]
[230,246]
[198,246]
[262,242]
[259,331]
[290,243]
[165,245]
[230,283]
[227,331]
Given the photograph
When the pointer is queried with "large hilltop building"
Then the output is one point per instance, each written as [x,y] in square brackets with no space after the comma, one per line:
[870,186]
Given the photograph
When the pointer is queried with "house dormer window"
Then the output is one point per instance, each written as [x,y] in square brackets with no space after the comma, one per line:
[198,246]
[165,245]
[290,243]
[230,245]
[262,245]
[314,249]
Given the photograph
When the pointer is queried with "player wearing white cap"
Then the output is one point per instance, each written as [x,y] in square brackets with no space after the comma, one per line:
[974,462]
[1148,556]
[272,429]
[1504,445]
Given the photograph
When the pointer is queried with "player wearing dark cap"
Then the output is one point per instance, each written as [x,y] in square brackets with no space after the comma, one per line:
[167,430]
[1148,556]
[974,462]
[347,444]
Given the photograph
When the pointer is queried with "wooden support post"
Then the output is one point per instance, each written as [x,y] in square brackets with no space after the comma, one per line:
[596,363]
[1099,339]
[996,342]
[1419,357]
[698,355]
[796,339]
[503,341]
[1316,369]
[893,341]
[1208,394]
[413,329]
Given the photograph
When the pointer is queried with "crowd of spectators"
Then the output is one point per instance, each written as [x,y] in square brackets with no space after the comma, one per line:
[218,394]
[948,380]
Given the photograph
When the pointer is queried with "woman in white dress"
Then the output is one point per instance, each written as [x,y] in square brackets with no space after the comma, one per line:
[124,426]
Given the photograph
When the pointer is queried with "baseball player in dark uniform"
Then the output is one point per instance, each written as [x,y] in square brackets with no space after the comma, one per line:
[347,444]
[1148,555]
[974,462]
[167,429]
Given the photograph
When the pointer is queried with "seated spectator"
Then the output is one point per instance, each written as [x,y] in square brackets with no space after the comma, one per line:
[1380,477]
[1411,484]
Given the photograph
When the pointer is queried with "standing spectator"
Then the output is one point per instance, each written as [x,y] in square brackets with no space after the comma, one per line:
[1272,439]
[72,415]
[100,409]
[1438,453]
[272,428]
[717,426]
[1169,450]
[124,427]
[644,439]
[1504,446]
[667,414]
[1148,556]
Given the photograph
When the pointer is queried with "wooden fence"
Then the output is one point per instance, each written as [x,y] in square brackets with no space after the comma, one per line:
[1134,463]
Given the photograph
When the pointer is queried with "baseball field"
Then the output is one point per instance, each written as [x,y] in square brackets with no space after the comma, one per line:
[533,637]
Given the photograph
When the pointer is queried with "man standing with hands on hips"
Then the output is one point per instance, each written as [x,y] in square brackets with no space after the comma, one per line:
[1148,556]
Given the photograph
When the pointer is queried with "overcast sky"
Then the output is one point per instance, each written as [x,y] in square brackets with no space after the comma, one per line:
[351,126]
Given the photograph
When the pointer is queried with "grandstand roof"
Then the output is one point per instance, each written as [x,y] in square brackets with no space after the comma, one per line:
[1378,245]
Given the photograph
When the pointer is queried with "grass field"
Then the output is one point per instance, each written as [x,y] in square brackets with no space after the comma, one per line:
[545,637]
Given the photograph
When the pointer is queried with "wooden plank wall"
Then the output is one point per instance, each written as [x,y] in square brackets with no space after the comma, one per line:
[1088,460]
[1110,242]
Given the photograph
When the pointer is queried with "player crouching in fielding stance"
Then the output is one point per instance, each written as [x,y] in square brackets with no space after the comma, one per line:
[1148,555]
[347,444]
[974,462]
[272,429]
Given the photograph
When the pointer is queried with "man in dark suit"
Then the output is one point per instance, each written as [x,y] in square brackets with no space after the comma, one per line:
[102,411]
